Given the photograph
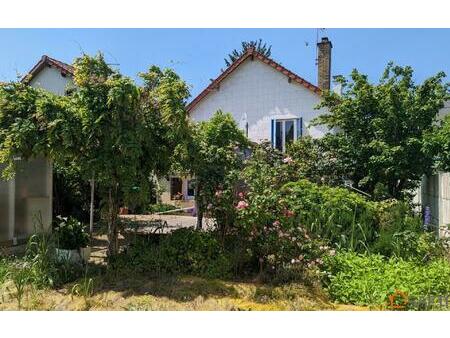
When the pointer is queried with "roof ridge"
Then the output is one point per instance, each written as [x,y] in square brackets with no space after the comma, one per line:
[63,67]
[251,52]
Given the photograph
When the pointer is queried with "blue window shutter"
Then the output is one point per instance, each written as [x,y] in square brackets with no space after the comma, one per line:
[299,128]
[272,132]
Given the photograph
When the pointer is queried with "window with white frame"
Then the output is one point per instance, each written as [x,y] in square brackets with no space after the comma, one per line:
[285,131]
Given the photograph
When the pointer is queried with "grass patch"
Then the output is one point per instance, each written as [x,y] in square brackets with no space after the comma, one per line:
[186,293]
[369,279]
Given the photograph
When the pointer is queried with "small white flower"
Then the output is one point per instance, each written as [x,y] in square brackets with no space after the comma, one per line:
[287,159]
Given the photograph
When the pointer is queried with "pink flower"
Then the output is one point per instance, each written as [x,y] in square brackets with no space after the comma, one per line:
[242,205]
[288,160]
[288,213]
[241,195]
[276,223]
[219,193]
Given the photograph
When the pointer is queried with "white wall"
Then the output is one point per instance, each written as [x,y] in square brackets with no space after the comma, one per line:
[262,93]
[27,208]
[51,80]
[435,192]
[444,111]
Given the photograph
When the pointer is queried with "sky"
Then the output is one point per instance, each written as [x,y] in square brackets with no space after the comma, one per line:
[197,55]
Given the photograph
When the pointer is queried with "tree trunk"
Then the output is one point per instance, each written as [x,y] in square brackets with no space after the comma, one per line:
[113,245]
[91,208]
[199,218]
[198,207]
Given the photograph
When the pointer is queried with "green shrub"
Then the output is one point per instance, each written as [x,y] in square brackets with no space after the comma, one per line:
[38,267]
[401,234]
[184,251]
[271,238]
[70,234]
[40,257]
[346,219]
[267,235]
[368,279]
[45,271]
[4,269]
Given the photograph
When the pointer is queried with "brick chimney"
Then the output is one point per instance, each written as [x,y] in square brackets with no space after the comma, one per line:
[324,63]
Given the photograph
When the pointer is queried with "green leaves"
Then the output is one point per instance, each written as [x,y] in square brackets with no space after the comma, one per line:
[257,45]
[438,143]
[212,154]
[368,279]
[108,126]
[382,127]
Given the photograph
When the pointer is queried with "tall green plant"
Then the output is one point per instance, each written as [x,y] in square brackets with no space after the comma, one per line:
[380,128]
[346,219]
[212,155]
[21,278]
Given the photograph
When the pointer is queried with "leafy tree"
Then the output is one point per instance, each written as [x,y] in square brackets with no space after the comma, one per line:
[313,161]
[380,129]
[109,128]
[438,144]
[129,132]
[212,155]
[33,122]
[258,45]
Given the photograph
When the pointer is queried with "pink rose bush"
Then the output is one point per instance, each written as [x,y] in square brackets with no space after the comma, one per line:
[242,205]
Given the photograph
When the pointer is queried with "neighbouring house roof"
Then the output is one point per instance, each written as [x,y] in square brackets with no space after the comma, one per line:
[47,61]
[252,53]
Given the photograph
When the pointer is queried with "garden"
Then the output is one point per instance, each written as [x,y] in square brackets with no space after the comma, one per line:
[288,234]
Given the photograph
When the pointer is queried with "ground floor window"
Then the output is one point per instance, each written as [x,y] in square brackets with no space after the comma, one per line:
[285,131]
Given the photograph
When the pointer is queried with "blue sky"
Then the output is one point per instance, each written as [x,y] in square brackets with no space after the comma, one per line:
[197,54]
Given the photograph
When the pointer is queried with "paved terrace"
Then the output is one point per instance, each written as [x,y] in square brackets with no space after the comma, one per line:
[173,221]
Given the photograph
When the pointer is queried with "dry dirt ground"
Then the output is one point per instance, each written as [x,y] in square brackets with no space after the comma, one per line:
[128,291]
[174,294]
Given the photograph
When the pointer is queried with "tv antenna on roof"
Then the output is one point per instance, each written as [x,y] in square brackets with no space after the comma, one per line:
[317,41]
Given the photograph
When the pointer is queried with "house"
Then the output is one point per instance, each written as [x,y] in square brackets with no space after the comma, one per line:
[268,101]
[29,194]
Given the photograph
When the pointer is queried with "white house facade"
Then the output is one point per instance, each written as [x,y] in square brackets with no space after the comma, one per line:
[257,94]
[268,102]
[26,199]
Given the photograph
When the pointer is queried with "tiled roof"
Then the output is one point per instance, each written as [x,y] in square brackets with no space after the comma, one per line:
[63,67]
[252,53]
